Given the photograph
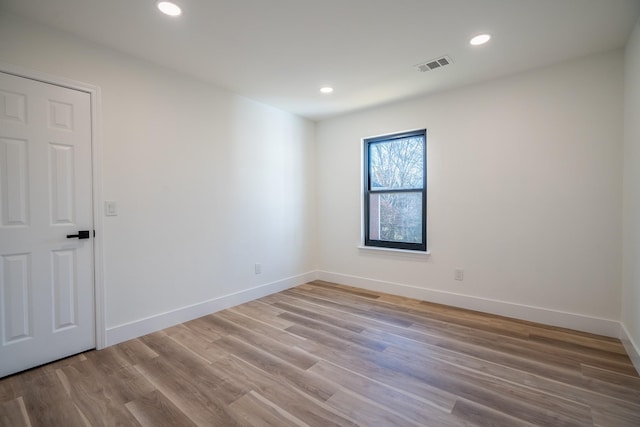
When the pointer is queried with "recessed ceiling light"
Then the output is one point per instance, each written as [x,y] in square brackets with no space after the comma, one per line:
[480,39]
[326,89]
[169,8]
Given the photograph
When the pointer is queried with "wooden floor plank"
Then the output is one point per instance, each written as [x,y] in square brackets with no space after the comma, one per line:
[192,342]
[311,411]
[99,400]
[201,328]
[481,415]
[46,401]
[155,410]
[127,353]
[630,382]
[7,391]
[249,320]
[315,315]
[226,323]
[386,396]
[344,355]
[323,354]
[520,370]
[348,289]
[333,331]
[205,405]
[368,413]
[256,410]
[359,308]
[13,413]
[612,415]
[283,372]
[267,313]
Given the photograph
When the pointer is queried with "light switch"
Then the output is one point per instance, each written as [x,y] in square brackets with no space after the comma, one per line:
[110,208]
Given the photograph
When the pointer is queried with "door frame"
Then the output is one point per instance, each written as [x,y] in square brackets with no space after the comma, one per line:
[96,183]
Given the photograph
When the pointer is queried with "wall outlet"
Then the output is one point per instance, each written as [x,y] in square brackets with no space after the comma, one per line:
[458,274]
[258,268]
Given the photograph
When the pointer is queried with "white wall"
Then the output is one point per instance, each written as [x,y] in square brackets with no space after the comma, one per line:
[524,194]
[631,221]
[207,183]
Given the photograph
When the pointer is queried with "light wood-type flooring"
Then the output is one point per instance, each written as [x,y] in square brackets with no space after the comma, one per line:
[328,355]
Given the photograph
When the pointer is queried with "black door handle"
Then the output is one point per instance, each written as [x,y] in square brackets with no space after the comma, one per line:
[84,234]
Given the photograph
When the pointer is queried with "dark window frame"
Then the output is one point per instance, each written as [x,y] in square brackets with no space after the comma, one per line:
[368,191]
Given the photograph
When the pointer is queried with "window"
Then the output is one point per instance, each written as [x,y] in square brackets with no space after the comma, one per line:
[395,191]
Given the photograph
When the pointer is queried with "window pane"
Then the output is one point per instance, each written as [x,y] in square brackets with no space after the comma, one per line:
[395,217]
[397,163]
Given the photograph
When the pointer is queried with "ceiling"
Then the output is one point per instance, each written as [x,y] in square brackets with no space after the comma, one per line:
[281,52]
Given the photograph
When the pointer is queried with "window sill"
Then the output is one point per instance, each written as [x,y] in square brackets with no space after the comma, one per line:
[392,250]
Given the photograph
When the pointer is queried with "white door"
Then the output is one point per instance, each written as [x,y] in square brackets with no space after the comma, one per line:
[46,278]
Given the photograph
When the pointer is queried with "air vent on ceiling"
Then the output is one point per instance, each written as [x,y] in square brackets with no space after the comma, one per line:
[432,64]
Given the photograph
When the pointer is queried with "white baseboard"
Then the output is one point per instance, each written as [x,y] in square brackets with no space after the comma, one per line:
[127,331]
[594,325]
[633,350]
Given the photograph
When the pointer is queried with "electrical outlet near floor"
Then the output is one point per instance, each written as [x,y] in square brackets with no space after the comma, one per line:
[458,274]
[258,268]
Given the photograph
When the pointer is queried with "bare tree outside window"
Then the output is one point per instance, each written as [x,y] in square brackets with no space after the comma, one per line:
[395,191]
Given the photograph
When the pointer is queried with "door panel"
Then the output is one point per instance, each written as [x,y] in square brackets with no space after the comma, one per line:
[46,279]
[16,287]
[64,288]
[13,154]
[61,168]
